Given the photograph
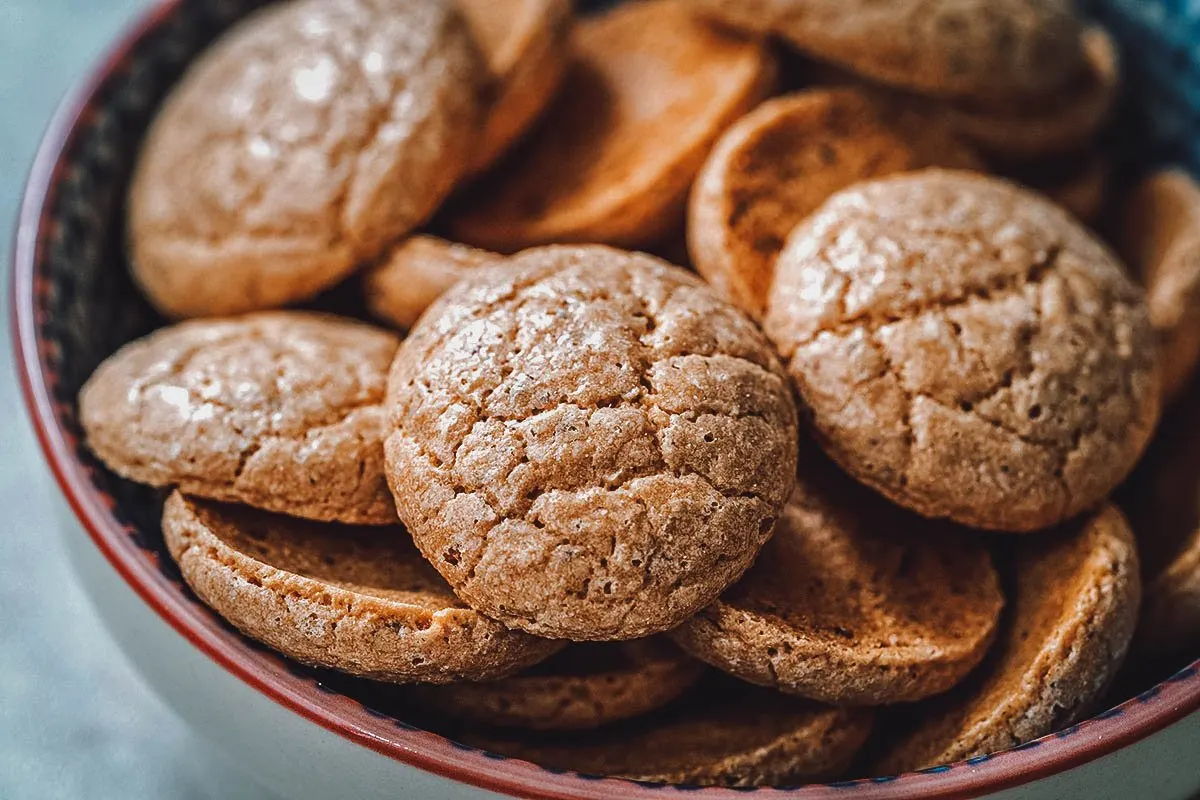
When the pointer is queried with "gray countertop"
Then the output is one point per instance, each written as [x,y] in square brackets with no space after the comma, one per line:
[75,721]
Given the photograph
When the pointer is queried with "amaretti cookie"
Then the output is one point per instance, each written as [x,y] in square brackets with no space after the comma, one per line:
[415,273]
[298,146]
[1074,606]
[587,443]
[853,601]
[359,600]
[777,164]
[967,348]
[281,410]
[649,90]
[582,687]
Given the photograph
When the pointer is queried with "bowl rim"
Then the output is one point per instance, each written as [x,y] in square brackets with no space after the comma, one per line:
[1132,721]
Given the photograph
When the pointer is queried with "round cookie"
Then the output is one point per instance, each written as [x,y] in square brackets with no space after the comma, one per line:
[583,687]
[777,164]
[299,146]
[281,410]
[415,273]
[723,734]
[1160,239]
[1073,612]
[587,443]
[359,600]
[966,348]
[649,90]
[950,48]
[526,46]
[853,601]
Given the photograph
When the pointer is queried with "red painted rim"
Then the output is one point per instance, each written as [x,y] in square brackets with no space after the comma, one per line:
[1136,720]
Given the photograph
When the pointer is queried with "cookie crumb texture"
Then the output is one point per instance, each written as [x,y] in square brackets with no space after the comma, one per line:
[281,410]
[361,600]
[589,444]
[297,147]
[967,349]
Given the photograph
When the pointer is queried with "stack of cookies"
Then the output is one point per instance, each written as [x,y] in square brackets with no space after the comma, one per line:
[604,513]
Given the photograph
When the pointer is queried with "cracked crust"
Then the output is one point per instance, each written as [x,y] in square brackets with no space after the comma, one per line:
[416,272]
[279,410]
[583,687]
[853,601]
[297,147]
[649,91]
[1073,613]
[967,349]
[359,600]
[1160,238]
[587,443]
[952,48]
[776,165]
[526,44]
[723,734]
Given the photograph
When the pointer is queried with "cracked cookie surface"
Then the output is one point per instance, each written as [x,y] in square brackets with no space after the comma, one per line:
[359,600]
[966,348]
[297,147]
[588,443]
[279,410]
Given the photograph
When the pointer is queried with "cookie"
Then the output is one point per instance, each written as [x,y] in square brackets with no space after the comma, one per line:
[583,687]
[1073,612]
[526,44]
[723,734]
[587,443]
[1080,185]
[415,273]
[966,348]
[282,410]
[961,48]
[359,600]
[853,601]
[649,90]
[307,139]
[776,165]
[1160,239]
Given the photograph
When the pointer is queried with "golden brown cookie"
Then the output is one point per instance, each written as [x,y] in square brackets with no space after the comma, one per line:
[853,601]
[966,348]
[280,410]
[583,687]
[776,165]
[722,734]
[961,48]
[300,145]
[649,91]
[416,272]
[526,46]
[587,443]
[359,600]
[1160,239]
[1073,612]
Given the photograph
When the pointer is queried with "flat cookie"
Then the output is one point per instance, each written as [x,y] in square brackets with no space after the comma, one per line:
[1160,239]
[966,348]
[359,600]
[587,443]
[948,48]
[853,601]
[583,687]
[280,410]
[1072,616]
[299,146]
[526,44]
[416,272]
[649,91]
[724,734]
[776,165]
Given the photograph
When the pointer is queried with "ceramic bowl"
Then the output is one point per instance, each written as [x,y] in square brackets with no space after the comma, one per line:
[311,734]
